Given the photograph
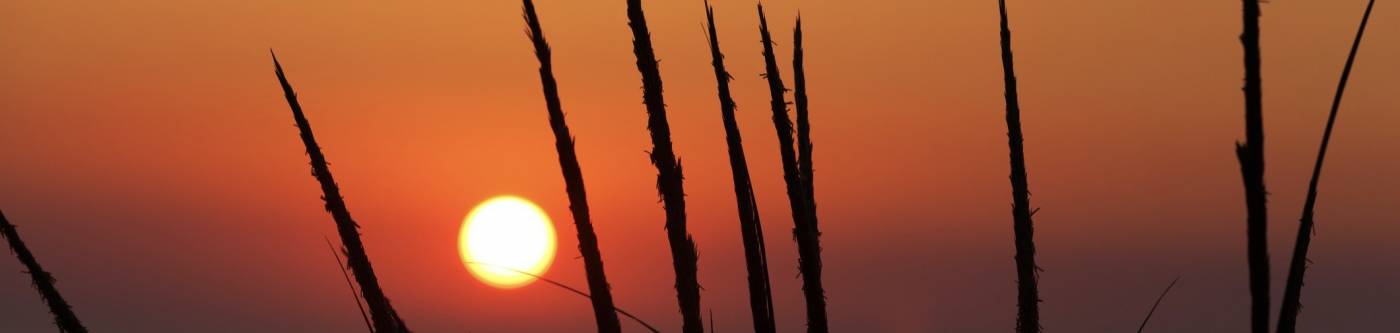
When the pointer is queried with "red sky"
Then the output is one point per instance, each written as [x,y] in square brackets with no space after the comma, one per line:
[151,162]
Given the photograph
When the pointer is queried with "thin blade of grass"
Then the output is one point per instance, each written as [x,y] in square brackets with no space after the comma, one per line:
[1027,273]
[751,228]
[385,319]
[1298,266]
[602,300]
[712,321]
[572,289]
[804,126]
[669,178]
[354,294]
[1251,157]
[1156,303]
[809,261]
[63,316]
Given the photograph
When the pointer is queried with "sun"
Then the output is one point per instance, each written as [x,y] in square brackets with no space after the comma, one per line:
[505,236]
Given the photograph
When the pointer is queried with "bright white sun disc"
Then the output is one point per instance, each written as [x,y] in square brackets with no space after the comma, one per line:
[504,236]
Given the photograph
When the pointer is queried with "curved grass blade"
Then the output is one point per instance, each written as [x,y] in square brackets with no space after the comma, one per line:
[1298,266]
[567,287]
[1155,304]
[354,293]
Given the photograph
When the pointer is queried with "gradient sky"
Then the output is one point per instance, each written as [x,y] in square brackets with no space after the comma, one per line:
[151,162]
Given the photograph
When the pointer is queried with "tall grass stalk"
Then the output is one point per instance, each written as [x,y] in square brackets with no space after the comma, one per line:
[63,315]
[602,298]
[750,227]
[381,312]
[809,261]
[669,179]
[804,127]
[1027,273]
[1251,156]
[1298,266]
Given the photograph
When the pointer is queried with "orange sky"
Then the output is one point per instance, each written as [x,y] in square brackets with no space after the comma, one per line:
[152,165]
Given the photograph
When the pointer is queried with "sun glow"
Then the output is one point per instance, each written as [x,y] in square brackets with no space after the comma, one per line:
[505,236]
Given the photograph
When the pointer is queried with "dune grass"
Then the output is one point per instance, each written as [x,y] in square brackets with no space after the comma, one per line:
[669,179]
[750,226]
[63,315]
[1027,273]
[804,125]
[601,298]
[1251,157]
[809,261]
[385,319]
[1298,266]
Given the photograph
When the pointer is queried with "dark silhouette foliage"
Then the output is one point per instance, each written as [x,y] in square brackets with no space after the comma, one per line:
[750,227]
[1298,266]
[804,219]
[1251,156]
[1027,273]
[804,127]
[63,315]
[1156,303]
[385,319]
[669,178]
[601,297]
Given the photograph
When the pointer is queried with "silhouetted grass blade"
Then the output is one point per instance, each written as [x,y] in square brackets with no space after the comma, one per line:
[1156,303]
[751,229]
[1027,273]
[809,261]
[385,319]
[1293,287]
[602,300]
[669,179]
[354,293]
[63,315]
[572,289]
[804,127]
[1251,156]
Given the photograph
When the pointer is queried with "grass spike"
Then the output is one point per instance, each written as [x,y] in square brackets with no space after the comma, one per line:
[1027,273]
[669,178]
[63,315]
[809,261]
[804,127]
[602,300]
[751,228]
[1251,157]
[385,319]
